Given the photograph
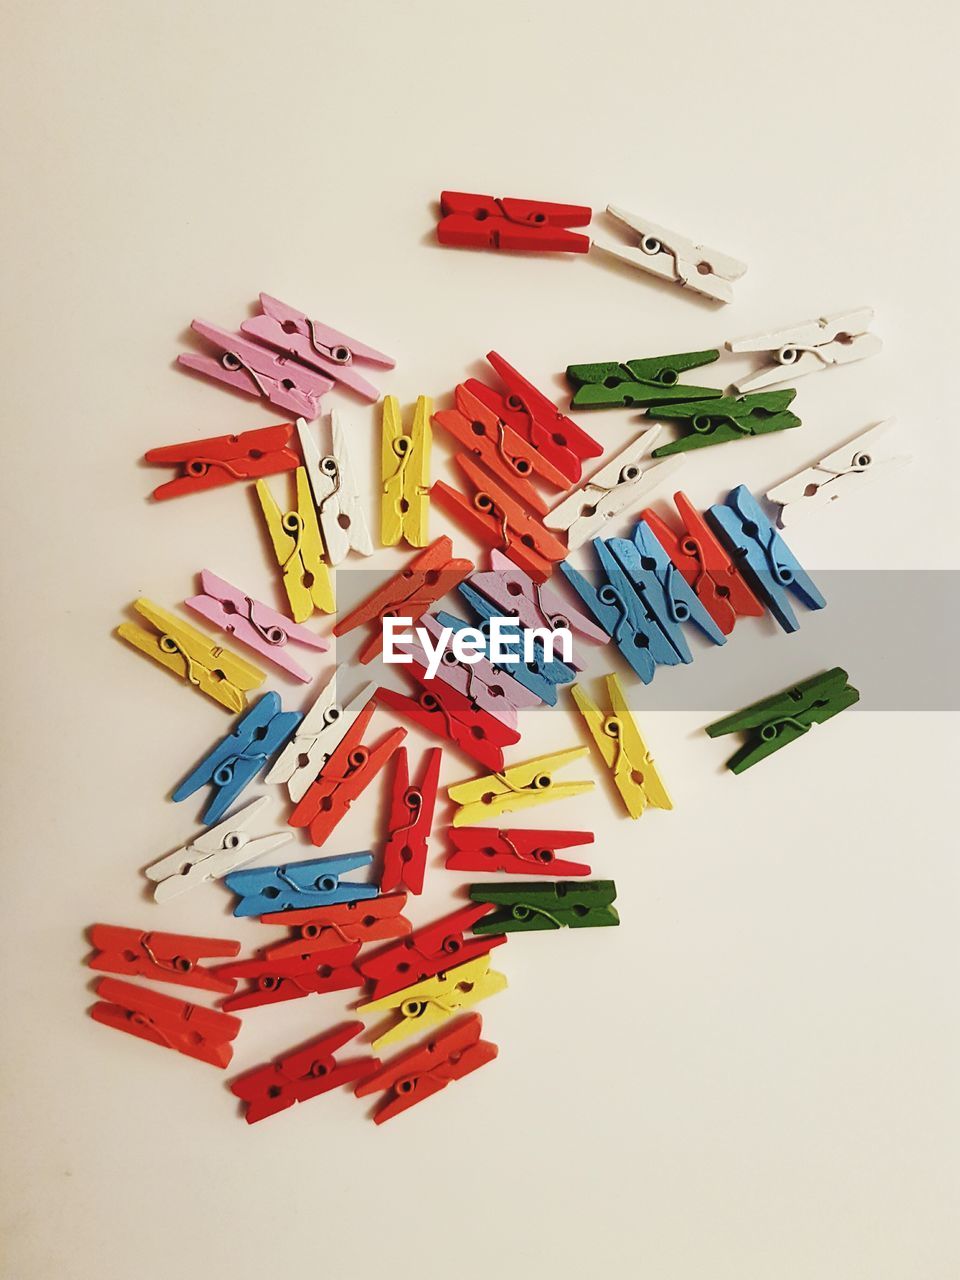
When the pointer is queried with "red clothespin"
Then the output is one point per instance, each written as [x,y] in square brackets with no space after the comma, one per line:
[301,1074]
[705,565]
[325,928]
[428,951]
[347,773]
[429,575]
[164,957]
[486,222]
[272,980]
[515,852]
[207,464]
[499,520]
[410,820]
[445,712]
[189,1028]
[414,1076]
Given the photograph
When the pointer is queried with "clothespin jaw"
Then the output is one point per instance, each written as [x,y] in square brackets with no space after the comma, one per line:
[272,979]
[531,226]
[220,460]
[295,535]
[336,492]
[405,475]
[326,928]
[301,1074]
[623,749]
[313,883]
[671,256]
[729,418]
[316,738]
[551,904]
[428,951]
[809,347]
[519,787]
[845,470]
[192,656]
[540,676]
[638,382]
[409,823]
[191,1029]
[162,957]
[431,1002]
[515,851]
[773,723]
[441,710]
[424,1070]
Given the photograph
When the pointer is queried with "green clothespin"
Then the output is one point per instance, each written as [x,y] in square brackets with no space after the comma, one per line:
[731,418]
[546,904]
[642,382]
[775,722]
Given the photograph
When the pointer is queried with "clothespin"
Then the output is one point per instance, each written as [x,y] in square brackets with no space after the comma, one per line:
[638,382]
[237,759]
[405,475]
[619,484]
[764,558]
[540,676]
[623,749]
[192,656]
[705,565]
[520,787]
[301,1074]
[297,544]
[408,594]
[313,883]
[550,904]
[316,738]
[432,1002]
[671,256]
[191,1029]
[162,957]
[253,624]
[428,951]
[845,470]
[327,928]
[775,722]
[345,775]
[272,980]
[515,851]
[409,823]
[809,347]
[424,1070]
[208,464]
[729,418]
[497,519]
[213,853]
[252,369]
[336,355]
[489,222]
[336,492]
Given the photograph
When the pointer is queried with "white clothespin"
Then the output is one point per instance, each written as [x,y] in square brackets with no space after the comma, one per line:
[616,486]
[318,735]
[672,256]
[336,492]
[847,469]
[809,347]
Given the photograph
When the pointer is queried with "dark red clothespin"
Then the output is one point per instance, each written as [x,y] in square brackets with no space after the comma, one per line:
[410,821]
[164,957]
[445,712]
[189,1028]
[207,464]
[326,928]
[301,1074]
[428,951]
[486,222]
[516,851]
[272,980]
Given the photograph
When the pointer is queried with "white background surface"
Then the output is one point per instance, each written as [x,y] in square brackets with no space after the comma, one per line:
[756,1075]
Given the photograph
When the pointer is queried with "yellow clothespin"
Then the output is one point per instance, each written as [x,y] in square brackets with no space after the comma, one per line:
[299,550]
[519,787]
[623,749]
[405,472]
[192,656]
[427,1004]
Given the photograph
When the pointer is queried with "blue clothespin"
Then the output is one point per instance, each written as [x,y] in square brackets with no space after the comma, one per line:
[314,883]
[763,557]
[237,759]
[542,678]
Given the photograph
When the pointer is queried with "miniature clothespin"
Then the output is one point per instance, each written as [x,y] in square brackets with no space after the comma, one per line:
[237,759]
[250,368]
[729,418]
[220,460]
[162,957]
[428,951]
[671,256]
[809,347]
[297,544]
[272,979]
[326,928]
[432,1002]
[336,492]
[301,1074]
[515,851]
[551,904]
[763,557]
[775,722]
[316,738]
[313,883]
[405,475]
[845,470]
[191,1029]
[423,1071]
[336,355]
[409,823]
[638,382]
[192,656]
[532,226]
[540,676]
[623,749]
[520,787]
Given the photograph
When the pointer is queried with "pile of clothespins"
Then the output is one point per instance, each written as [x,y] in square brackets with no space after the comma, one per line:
[706,570]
